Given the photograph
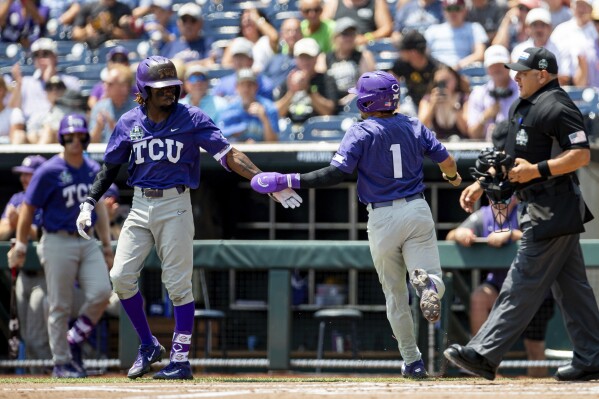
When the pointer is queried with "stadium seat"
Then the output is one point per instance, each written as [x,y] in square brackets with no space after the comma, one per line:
[207,316]
[475,73]
[585,98]
[320,128]
[385,53]
[86,72]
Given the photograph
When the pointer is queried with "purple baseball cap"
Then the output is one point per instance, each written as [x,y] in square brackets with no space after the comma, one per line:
[29,164]
[117,50]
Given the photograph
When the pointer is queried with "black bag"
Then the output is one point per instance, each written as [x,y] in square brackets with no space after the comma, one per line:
[556,209]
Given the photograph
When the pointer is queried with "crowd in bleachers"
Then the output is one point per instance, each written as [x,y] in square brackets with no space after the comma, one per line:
[279,70]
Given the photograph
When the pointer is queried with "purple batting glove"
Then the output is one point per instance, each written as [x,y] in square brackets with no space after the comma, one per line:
[272,182]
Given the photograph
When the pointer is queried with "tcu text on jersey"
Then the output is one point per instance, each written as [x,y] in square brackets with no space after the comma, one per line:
[157,150]
[80,190]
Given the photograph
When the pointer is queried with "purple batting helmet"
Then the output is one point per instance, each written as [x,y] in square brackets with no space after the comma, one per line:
[376,91]
[157,72]
[73,123]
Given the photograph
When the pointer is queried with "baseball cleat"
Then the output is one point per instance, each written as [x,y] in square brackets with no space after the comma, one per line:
[146,356]
[414,370]
[175,371]
[77,358]
[67,370]
[430,302]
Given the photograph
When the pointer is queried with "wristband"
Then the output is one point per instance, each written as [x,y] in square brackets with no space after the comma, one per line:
[451,178]
[20,247]
[369,36]
[544,170]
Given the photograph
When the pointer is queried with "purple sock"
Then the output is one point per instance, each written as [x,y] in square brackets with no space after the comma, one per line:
[182,337]
[134,307]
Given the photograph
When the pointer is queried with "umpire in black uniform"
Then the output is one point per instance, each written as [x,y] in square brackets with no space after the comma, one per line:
[547,140]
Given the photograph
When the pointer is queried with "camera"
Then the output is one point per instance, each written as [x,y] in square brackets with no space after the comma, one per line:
[501,92]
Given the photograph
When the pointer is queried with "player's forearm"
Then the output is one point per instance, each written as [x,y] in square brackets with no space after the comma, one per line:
[24,224]
[5,229]
[102,224]
[449,166]
[239,163]
[104,179]
[325,177]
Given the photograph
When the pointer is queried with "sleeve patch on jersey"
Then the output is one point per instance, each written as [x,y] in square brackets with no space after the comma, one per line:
[577,137]
[338,158]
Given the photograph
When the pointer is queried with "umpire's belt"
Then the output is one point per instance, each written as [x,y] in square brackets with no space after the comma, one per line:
[159,193]
[549,188]
[390,203]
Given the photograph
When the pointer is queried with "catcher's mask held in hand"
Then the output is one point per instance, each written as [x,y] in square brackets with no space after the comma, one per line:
[491,170]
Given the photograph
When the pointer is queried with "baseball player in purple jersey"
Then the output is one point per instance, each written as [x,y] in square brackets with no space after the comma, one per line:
[160,140]
[388,150]
[57,187]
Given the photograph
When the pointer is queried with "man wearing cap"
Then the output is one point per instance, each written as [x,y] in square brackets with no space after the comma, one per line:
[250,117]
[415,67]
[117,100]
[307,93]
[190,45]
[29,91]
[548,143]
[30,284]
[538,29]
[196,87]
[455,42]
[118,55]
[345,63]
[102,20]
[241,50]
[490,103]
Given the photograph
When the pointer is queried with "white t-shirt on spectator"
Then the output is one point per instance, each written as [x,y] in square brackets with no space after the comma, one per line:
[449,45]
[572,40]
[8,118]
[33,96]
[262,54]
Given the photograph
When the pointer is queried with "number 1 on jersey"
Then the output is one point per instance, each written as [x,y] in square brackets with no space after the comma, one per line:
[397,169]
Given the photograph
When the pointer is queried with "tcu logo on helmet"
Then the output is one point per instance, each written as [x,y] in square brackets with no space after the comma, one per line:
[156,150]
[75,194]
[163,72]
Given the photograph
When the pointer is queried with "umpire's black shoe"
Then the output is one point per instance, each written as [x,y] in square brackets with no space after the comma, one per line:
[469,359]
[571,373]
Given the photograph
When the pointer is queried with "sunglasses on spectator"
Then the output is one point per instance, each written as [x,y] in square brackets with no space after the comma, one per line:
[522,7]
[454,8]
[52,87]
[69,138]
[197,78]
[309,10]
[43,54]
[349,33]
[120,58]
[187,19]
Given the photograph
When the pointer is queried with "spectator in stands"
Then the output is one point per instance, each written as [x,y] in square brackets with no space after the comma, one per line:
[559,10]
[372,17]
[442,108]
[416,15]
[488,14]
[158,24]
[588,74]
[29,91]
[22,22]
[306,93]
[490,103]
[315,26]
[283,62]
[482,225]
[102,20]
[512,30]
[250,118]
[42,127]
[345,64]
[576,37]
[196,86]
[241,50]
[12,123]
[191,45]
[415,68]
[255,27]
[116,102]
[538,29]
[456,43]
[118,55]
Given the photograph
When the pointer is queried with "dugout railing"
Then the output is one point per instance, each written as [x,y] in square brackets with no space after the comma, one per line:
[280,258]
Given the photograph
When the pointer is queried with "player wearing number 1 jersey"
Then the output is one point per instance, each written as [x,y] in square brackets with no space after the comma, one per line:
[388,150]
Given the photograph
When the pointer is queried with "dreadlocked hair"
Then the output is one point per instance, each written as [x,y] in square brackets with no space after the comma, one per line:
[139,99]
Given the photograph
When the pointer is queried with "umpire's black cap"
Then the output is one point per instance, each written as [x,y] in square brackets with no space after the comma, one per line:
[535,58]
